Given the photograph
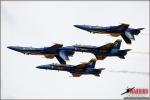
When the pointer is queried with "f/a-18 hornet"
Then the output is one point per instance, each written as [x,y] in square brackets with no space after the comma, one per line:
[123,30]
[76,70]
[110,49]
[48,52]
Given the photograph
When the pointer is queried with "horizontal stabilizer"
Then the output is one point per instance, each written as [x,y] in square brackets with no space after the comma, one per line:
[98,71]
[123,53]
[122,57]
[141,28]
[137,31]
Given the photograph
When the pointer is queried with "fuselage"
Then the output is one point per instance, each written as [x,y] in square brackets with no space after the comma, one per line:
[92,49]
[102,30]
[70,68]
[33,51]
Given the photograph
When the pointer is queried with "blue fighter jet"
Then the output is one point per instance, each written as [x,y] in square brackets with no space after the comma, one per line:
[123,30]
[48,52]
[110,49]
[76,70]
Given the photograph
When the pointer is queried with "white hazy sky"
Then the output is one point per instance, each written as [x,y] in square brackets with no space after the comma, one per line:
[40,23]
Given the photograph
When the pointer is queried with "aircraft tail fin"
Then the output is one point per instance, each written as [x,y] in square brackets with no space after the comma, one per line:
[122,53]
[126,38]
[122,27]
[61,60]
[63,55]
[117,44]
[92,62]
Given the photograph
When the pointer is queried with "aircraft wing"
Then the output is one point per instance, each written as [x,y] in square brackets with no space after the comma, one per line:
[122,27]
[106,48]
[54,47]
[63,55]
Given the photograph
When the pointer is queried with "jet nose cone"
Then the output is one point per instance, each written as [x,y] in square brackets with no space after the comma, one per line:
[42,67]
[9,47]
[79,26]
[83,27]
[12,47]
[17,48]
[76,25]
[39,67]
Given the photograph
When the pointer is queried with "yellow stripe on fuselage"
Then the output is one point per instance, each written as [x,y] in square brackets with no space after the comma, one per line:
[104,32]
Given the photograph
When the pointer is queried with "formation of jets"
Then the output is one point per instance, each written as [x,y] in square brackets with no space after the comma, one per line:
[62,53]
